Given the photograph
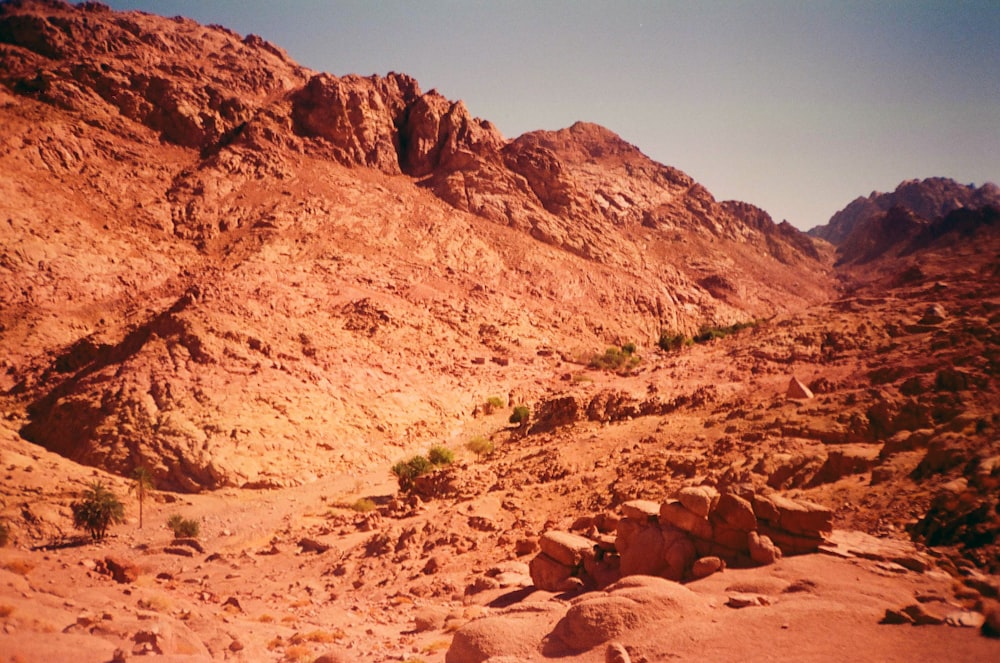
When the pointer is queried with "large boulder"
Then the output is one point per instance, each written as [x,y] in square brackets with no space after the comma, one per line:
[517,631]
[632,602]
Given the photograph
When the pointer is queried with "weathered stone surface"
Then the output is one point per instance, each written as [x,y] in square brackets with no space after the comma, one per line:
[735,512]
[698,499]
[515,632]
[762,549]
[566,548]
[798,391]
[802,517]
[792,544]
[706,566]
[641,509]
[632,602]
[675,514]
[121,569]
[547,573]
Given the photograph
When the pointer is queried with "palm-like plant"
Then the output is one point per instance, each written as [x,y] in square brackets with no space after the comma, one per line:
[98,509]
[142,483]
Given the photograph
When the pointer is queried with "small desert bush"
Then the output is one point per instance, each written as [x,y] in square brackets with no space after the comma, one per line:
[408,470]
[520,415]
[616,359]
[494,403]
[671,340]
[298,653]
[439,455]
[363,505]
[184,528]
[480,446]
[97,510]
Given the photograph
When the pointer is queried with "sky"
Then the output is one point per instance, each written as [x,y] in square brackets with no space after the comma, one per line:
[797,106]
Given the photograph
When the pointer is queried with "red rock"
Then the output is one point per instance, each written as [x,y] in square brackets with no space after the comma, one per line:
[735,512]
[762,549]
[547,573]
[676,515]
[699,500]
[566,548]
[706,566]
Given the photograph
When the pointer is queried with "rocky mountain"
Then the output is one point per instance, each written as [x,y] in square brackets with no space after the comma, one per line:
[676,430]
[212,251]
[930,198]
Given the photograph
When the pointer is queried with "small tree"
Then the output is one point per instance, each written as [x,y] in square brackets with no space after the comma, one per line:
[520,415]
[97,510]
[480,446]
[142,483]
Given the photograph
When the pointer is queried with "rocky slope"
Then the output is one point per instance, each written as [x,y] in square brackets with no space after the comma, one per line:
[243,274]
[214,254]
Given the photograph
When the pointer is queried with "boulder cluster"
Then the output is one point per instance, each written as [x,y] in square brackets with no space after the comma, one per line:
[699,532]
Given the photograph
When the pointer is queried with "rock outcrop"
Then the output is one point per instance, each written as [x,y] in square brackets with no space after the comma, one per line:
[696,534]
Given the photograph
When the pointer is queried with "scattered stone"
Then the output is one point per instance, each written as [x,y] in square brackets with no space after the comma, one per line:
[122,570]
[189,542]
[179,550]
[311,545]
[706,566]
[746,600]
[895,617]
[965,618]
[798,391]
[922,616]
[429,618]
[525,546]
[616,653]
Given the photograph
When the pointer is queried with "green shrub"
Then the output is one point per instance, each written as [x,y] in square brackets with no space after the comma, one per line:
[520,415]
[480,446]
[670,341]
[184,528]
[408,470]
[629,348]
[709,333]
[363,505]
[494,403]
[616,359]
[439,455]
[98,509]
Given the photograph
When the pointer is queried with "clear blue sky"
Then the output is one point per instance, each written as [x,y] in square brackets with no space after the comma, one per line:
[798,106]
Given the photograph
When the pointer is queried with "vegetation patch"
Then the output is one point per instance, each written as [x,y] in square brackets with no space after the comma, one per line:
[184,528]
[709,333]
[407,471]
[363,505]
[619,360]
[520,415]
[97,510]
[481,446]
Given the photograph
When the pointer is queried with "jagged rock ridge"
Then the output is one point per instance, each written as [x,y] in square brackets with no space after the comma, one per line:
[930,198]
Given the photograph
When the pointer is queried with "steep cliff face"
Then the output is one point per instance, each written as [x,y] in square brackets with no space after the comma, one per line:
[252,272]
